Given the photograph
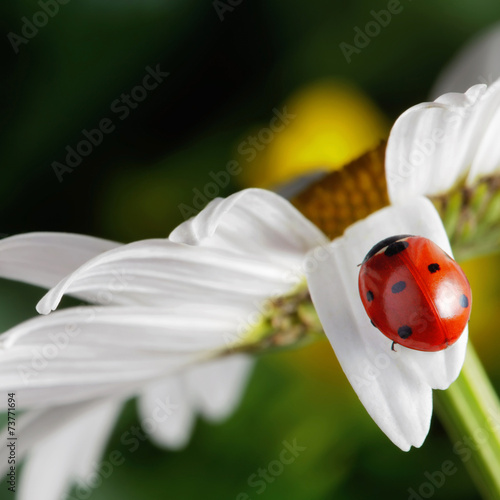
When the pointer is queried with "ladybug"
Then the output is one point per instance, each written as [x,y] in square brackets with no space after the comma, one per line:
[415,293]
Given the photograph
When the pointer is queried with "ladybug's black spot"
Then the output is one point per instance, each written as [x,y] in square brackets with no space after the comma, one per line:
[369,295]
[433,268]
[398,287]
[464,301]
[384,243]
[395,248]
[404,331]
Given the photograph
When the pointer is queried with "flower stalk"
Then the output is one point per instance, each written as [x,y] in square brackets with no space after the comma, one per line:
[470,412]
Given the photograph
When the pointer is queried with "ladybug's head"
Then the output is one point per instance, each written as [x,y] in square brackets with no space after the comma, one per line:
[386,243]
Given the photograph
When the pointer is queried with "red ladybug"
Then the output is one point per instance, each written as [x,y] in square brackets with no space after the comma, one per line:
[415,293]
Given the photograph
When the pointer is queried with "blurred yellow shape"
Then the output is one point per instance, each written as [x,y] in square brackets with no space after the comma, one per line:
[483,277]
[329,124]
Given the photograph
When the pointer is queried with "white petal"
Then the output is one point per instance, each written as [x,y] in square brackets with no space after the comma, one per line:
[477,62]
[82,353]
[168,413]
[43,259]
[95,429]
[164,273]
[74,450]
[168,408]
[217,386]
[432,145]
[486,159]
[253,222]
[36,425]
[395,387]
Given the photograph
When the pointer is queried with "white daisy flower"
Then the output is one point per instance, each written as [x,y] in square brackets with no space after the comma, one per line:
[434,146]
[183,300]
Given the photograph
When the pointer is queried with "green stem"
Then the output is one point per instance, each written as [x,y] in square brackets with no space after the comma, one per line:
[470,412]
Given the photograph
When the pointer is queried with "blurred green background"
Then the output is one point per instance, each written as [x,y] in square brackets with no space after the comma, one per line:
[225,78]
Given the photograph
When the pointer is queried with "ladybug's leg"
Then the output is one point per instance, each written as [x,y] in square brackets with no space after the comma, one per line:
[392,347]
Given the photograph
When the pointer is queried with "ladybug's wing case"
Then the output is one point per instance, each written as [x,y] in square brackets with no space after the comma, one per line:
[399,308]
[416,295]
[447,287]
